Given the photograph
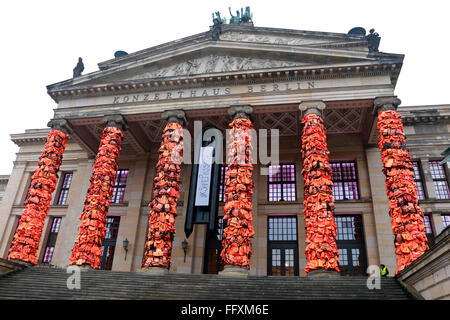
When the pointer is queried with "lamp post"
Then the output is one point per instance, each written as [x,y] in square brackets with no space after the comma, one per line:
[125,246]
[184,245]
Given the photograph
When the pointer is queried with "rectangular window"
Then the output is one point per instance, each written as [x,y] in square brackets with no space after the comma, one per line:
[439,180]
[51,240]
[64,191]
[282,229]
[119,186]
[427,222]
[223,171]
[282,183]
[418,180]
[282,246]
[349,227]
[445,220]
[345,181]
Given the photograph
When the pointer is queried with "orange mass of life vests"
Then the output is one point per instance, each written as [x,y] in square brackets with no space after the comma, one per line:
[238,196]
[92,228]
[407,217]
[37,203]
[163,208]
[321,250]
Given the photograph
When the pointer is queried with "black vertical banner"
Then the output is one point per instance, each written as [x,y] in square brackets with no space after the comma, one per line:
[204,185]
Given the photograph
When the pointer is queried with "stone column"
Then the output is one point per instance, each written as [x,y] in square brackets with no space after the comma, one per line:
[238,207]
[321,249]
[406,216]
[37,203]
[87,251]
[166,188]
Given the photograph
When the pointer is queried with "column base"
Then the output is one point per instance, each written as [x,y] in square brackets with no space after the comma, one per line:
[323,273]
[234,271]
[155,270]
[85,267]
[22,263]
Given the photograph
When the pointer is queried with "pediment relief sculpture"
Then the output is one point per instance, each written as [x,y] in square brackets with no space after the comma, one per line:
[214,63]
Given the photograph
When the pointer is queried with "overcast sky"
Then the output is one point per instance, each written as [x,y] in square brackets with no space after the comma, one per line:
[42,40]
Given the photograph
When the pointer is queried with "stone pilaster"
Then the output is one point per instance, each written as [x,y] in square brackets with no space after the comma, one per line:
[87,248]
[321,250]
[237,235]
[130,222]
[166,188]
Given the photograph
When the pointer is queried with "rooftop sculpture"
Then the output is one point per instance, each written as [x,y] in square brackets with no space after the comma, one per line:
[373,38]
[218,21]
[78,68]
[240,17]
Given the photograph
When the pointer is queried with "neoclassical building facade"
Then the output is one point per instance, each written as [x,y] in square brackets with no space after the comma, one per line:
[266,78]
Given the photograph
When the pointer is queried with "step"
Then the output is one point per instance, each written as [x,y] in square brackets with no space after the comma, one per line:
[50,283]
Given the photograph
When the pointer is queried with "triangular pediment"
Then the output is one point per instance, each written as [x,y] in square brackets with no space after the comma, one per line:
[240,50]
[207,65]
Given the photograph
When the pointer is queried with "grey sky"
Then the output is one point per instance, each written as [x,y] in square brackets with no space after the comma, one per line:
[42,40]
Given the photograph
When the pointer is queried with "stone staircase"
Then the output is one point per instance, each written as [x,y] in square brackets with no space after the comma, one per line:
[51,283]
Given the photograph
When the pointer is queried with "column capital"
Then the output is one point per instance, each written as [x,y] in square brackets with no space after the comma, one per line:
[115,120]
[237,111]
[314,107]
[61,125]
[178,116]
[385,103]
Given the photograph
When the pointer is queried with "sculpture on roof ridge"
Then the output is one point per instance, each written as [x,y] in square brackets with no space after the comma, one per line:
[218,19]
[242,16]
[78,68]
[216,28]
[373,40]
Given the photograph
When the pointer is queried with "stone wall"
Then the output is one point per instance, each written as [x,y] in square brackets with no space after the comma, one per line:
[429,275]
[3,182]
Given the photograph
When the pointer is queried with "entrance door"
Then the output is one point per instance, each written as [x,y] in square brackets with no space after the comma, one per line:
[213,248]
[282,254]
[109,243]
[350,242]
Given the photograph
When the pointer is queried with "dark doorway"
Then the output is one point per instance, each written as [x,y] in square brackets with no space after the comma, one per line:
[213,248]
[109,243]
[282,247]
[350,242]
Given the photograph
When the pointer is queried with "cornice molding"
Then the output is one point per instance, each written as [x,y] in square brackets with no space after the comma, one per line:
[32,136]
[424,119]
[247,77]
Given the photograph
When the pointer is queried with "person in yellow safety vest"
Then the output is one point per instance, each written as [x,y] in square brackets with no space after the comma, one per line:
[384,270]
